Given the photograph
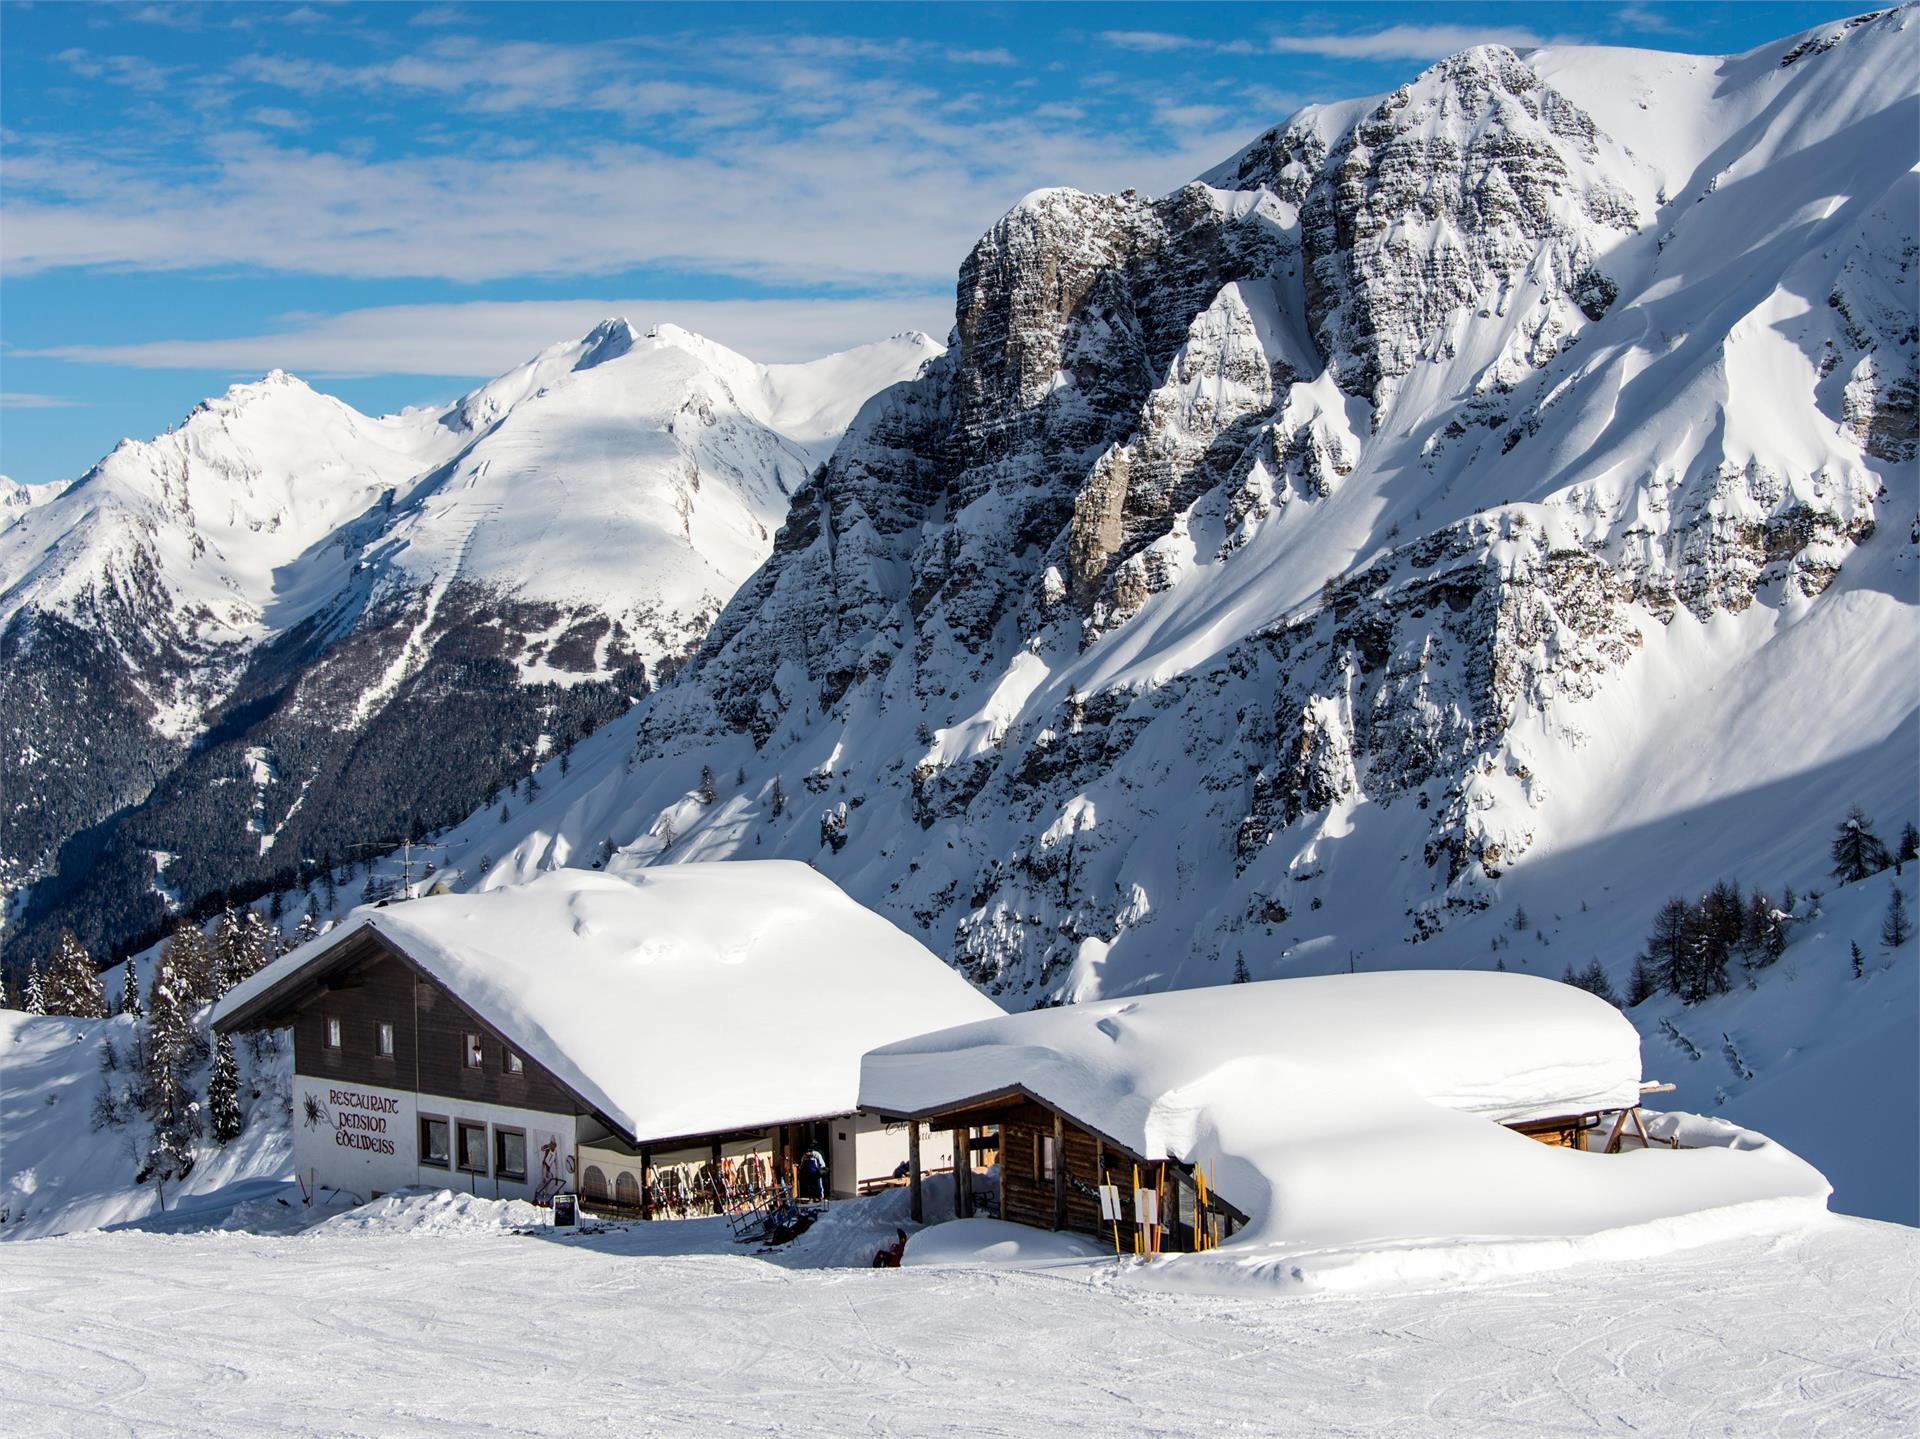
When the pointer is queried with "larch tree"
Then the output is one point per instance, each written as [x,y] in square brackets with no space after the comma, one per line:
[1670,947]
[1857,851]
[72,985]
[1909,849]
[1897,928]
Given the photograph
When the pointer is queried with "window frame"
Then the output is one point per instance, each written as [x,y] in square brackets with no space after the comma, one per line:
[512,1066]
[500,1132]
[473,1050]
[331,1031]
[1043,1155]
[460,1129]
[383,1039]
[420,1141]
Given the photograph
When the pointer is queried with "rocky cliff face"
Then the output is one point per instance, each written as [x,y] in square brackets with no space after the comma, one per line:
[1303,561]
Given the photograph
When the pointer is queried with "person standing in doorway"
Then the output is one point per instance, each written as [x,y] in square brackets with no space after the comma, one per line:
[813,1175]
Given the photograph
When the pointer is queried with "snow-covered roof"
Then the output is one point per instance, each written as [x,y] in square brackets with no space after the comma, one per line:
[681,1000]
[1506,1046]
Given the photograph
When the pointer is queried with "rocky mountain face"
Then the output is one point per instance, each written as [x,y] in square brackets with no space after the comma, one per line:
[1444,507]
[286,634]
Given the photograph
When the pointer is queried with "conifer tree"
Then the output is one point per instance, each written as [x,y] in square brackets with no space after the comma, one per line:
[705,794]
[223,1093]
[1241,975]
[1909,849]
[72,985]
[306,930]
[169,1054]
[1896,929]
[35,998]
[1859,961]
[1764,939]
[1592,977]
[1670,947]
[779,801]
[1645,982]
[1857,851]
[130,989]
[190,956]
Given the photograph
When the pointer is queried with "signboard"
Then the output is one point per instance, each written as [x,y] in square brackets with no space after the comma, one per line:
[1110,1203]
[1146,1207]
[363,1119]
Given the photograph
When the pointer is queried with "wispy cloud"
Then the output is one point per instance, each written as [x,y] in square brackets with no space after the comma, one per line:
[1652,19]
[27,400]
[485,338]
[1404,42]
[1395,42]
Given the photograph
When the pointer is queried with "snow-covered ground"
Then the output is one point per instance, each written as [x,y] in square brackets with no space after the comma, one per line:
[434,1316]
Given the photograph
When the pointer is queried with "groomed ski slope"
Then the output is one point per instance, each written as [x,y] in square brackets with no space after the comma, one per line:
[435,1319]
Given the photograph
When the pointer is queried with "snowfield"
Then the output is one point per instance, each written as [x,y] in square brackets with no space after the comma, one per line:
[434,1316]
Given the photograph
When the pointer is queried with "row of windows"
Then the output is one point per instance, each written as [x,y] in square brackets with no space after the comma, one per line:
[473,1055]
[438,1138]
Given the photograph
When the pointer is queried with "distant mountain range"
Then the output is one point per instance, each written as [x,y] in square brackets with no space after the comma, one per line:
[285,631]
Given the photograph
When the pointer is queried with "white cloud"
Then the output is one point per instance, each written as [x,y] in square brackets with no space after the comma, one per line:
[27,400]
[1405,42]
[485,338]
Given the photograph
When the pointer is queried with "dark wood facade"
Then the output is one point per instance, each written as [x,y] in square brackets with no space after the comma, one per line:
[370,983]
[1029,1130]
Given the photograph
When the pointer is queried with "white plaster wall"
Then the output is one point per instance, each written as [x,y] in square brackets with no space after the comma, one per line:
[864,1147]
[363,1138]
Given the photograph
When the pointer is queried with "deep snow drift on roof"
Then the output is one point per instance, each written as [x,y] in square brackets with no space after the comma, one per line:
[682,1000]
[1352,1118]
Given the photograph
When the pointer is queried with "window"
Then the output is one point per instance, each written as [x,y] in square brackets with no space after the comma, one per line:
[510,1063]
[333,1031]
[594,1183]
[473,1147]
[433,1141]
[626,1191]
[509,1153]
[1043,1155]
[383,1041]
[473,1050]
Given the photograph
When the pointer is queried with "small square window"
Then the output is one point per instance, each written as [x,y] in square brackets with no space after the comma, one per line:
[511,1064]
[473,1147]
[433,1141]
[333,1031]
[383,1040]
[509,1154]
[473,1051]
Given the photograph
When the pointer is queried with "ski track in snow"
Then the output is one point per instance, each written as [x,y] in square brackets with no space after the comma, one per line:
[356,1333]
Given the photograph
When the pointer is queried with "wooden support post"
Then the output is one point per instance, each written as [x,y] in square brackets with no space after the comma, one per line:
[913,1172]
[1613,1139]
[646,1183]
[962,1176]
[1059,1171]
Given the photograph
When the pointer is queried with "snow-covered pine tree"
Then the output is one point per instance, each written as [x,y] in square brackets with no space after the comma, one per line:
[705,793]
[307,929]
[130,989]
[223,1093]
[243,947]
[72,985]
[170,1053]
[35,999]
[1857,851]
[1859,961]
[1764,938]
[1897,928]
[190,956]
[778,802]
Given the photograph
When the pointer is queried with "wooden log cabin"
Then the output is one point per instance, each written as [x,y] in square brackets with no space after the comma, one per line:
[622,1038]
[1051,1167]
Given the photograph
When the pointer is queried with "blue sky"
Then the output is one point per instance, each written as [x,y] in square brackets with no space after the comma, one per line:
[396,200]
